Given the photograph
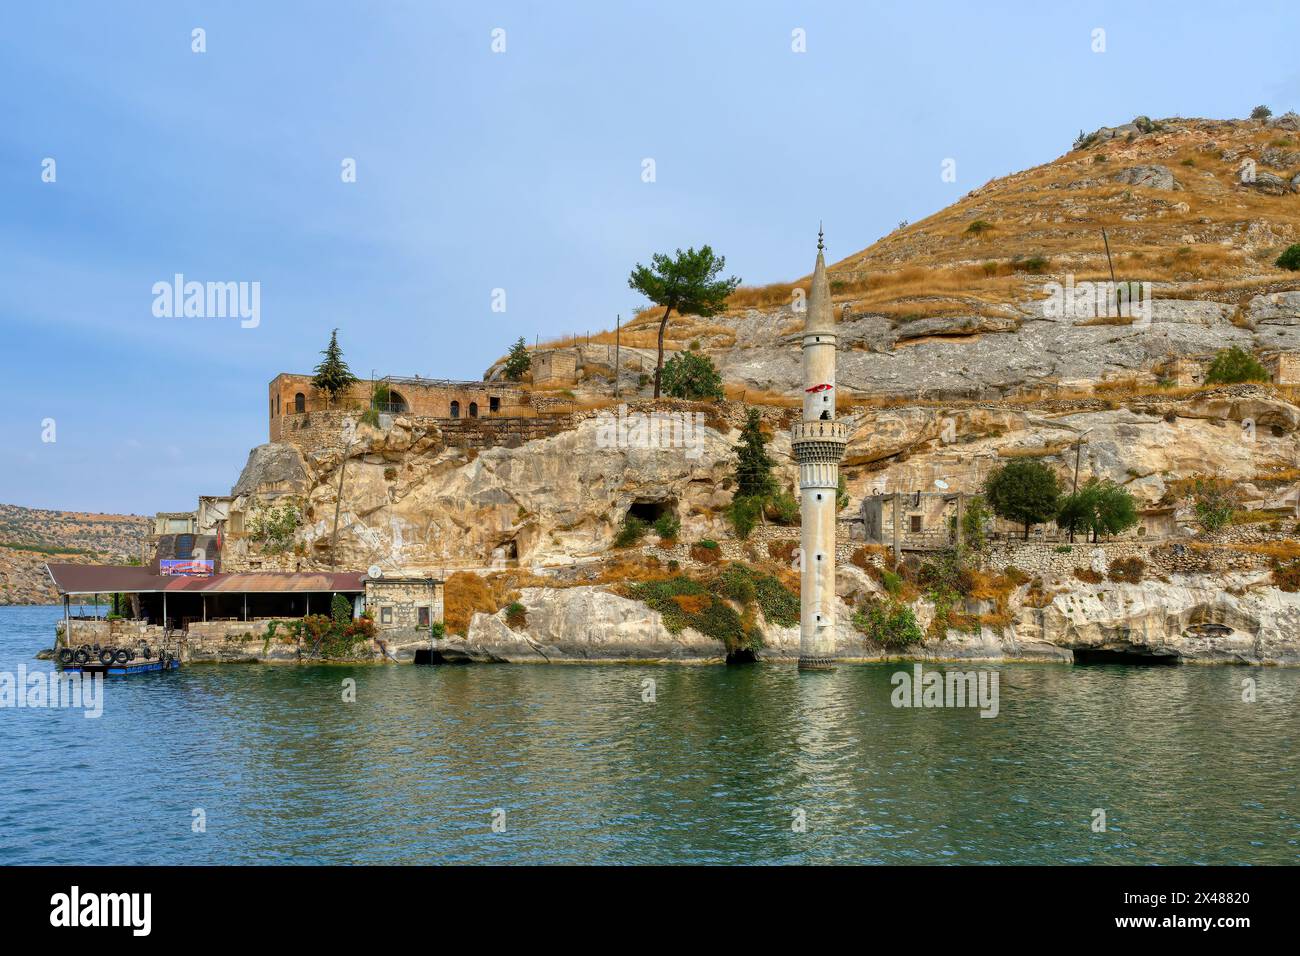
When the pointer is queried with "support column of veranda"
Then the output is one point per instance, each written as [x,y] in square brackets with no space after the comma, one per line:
[818,442]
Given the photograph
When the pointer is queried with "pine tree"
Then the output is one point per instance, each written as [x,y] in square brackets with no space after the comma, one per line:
[688,284]
[518,361]
[333,375]
[753,467]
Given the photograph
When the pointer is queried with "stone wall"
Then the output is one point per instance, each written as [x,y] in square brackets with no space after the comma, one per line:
[1061,560]
[395,604]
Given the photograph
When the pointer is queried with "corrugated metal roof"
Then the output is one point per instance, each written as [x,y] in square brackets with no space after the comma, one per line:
[107,579]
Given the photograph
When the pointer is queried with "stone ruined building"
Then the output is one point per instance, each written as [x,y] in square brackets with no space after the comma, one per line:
[554,367]
[1184,372]
[931,521]
[914,521]
[818,443]
[1283,367]
[467,414]
[292,398]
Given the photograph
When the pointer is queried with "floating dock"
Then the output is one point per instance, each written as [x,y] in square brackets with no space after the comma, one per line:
[123,670]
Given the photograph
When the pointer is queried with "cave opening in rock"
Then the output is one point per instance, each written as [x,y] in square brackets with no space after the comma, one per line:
[743,656]
[428,657]
[1098,655]
[652,511]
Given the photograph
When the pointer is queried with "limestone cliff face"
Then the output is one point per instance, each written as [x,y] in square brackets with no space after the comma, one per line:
[1193,619]
[981,357]
[408,501]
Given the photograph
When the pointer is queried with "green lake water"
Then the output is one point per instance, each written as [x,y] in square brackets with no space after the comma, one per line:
[580,768]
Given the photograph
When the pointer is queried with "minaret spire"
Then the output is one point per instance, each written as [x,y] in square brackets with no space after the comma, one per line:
[818,443]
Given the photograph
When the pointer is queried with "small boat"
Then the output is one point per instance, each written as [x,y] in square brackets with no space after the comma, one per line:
[121,661]
[167,663]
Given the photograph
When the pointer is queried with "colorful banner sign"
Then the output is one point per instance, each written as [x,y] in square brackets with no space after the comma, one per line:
[185,569]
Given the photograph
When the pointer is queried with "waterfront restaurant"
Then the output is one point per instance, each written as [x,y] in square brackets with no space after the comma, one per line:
[177,601]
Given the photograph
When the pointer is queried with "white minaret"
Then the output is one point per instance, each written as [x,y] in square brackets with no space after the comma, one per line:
[819,442]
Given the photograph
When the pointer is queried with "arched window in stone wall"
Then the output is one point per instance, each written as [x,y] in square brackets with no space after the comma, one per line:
[473,409]
[455,409]
[299,403]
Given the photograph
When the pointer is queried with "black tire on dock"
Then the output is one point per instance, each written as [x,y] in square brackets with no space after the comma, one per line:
[66,655]
[81,655]
[122,655]
[106,656]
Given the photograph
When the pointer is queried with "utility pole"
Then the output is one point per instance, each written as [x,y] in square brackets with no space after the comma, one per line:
[338,501]
[618,323]
[1074,489]
[1108,262]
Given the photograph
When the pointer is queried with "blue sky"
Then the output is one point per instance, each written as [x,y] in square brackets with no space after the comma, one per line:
[478,170]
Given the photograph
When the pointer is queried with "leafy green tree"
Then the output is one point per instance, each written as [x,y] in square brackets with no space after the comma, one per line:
[1023,490]
[1074,510]
[1100,506]
[753,466]
[692,375]
[687,283]
[274,525]
[744,514]
[518,361]
[1214,500]
[1290,259]
[1235,365]
[974,515]
[333,377]
[1261,112]
[782,508]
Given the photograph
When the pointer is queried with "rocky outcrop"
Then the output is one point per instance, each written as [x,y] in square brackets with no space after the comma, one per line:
[1193,619]
[1151,177]
[276,466]
[590,624]
[1268,183]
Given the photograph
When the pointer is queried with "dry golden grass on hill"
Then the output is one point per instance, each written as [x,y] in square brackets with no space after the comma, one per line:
[1048,220]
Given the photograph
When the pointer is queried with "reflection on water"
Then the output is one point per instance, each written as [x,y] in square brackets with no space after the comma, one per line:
[718,769]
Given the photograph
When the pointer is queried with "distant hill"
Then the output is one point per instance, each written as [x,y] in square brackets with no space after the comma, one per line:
[29,537]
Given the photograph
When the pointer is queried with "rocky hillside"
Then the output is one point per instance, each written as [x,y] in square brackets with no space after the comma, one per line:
[954,306]
[29,537]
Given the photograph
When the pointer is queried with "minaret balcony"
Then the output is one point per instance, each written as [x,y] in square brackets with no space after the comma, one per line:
[819,441]
[820,430]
